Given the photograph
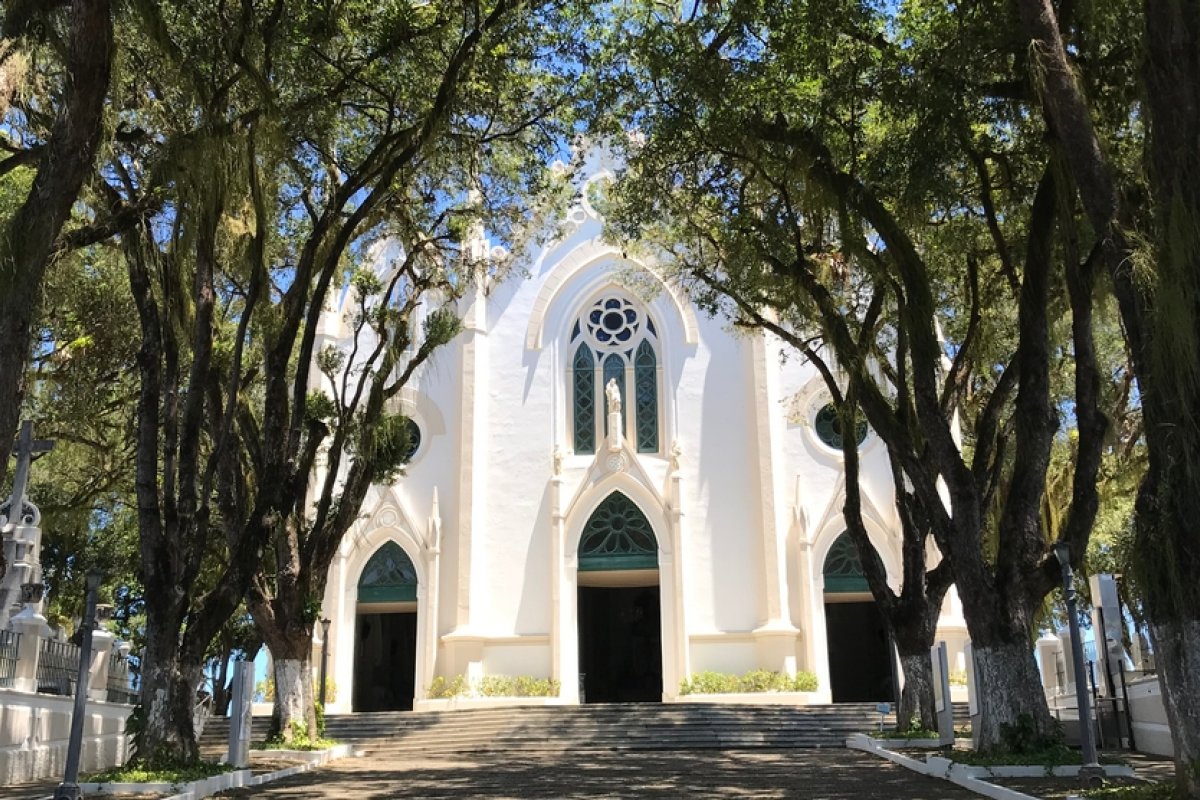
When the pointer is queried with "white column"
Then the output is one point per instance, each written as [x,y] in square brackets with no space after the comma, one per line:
[776,635]
[102,646]
[341,635]
[683,655]
[32,627]
[767,420]
[473,413]
[428,613]
[558,589]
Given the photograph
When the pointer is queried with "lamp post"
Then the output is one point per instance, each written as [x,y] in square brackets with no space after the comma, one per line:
[324,656]
[69,788]
[1062,551]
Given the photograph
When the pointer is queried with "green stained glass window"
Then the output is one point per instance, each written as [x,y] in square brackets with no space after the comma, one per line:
[829,427]
[843,568]
[616,537]
[389,577]
[412,435]
[645,383]
[614,369]
[583,384]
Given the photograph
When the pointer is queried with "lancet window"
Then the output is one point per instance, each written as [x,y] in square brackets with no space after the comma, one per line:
[614,340]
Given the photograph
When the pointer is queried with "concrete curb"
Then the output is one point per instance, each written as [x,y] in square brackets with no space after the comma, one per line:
[310,759]
[972,777]
[930,743]
[191,791]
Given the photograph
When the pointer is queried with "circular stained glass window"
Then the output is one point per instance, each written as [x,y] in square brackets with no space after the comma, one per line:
[613,323]
[412,439]
[829,427]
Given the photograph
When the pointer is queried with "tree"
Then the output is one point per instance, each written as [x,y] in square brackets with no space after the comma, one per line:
[771,153]
[58,145]
[1158,309]
[479,151]
[270,161]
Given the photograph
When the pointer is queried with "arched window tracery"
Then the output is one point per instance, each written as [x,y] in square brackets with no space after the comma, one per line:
[843,569]
[617,536]
[389,576]
[614,339]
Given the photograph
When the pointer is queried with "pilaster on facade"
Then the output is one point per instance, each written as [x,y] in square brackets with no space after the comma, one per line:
[473,425]
[767,424]
[675,521]
[433,552]
[558,576]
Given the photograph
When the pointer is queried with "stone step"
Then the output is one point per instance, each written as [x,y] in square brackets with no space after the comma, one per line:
[615,727]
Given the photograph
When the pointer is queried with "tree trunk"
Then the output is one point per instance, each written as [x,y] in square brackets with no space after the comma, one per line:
[1177,656]
[295,709]
[168,697]
[221,687]
[27,240]
[294,699]
[1009,688]
[1168,540]
[917,699]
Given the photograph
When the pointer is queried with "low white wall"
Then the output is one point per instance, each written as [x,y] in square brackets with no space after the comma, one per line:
[1151,733]
[34,731]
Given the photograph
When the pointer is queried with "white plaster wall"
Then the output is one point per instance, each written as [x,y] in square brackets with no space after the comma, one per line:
[720,486]
[34,733]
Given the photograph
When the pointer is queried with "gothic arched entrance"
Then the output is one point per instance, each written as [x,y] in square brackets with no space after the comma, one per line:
[619,608]
[385,635]
[860,654]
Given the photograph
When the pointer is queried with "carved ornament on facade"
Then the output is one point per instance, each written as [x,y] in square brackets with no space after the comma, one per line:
[617,462]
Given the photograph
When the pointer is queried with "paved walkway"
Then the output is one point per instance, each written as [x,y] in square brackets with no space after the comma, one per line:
[833,774]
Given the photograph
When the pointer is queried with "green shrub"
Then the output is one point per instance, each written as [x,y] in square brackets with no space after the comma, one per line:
[494,686]
[753,682]
[805,682]
[455,687]
[300,740]
[160,773]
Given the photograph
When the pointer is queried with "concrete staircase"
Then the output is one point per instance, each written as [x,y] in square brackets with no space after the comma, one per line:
[555,729]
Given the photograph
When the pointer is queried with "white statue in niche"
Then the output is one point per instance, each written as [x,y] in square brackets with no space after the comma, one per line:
[558,460]
[676,452]
[614,396]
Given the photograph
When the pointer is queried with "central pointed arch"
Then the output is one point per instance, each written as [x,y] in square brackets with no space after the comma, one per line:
[857,644]
[619,605]
[386,631]
[617,536]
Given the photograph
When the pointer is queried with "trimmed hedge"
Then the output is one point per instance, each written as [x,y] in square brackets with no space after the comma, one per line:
[753,682]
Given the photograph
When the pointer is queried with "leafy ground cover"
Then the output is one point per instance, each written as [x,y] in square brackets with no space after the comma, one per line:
[167,773]
[1052,756]
[1051,788]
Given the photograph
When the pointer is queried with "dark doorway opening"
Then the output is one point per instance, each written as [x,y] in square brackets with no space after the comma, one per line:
[620,644]
[385,662]
[860,657]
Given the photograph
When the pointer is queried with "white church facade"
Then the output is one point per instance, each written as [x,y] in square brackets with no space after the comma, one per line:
[613,491]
